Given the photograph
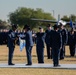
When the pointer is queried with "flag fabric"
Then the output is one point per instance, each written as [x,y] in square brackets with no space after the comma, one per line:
[71,24]
[22,44]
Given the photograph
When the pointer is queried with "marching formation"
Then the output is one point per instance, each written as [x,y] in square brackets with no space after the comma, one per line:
[55,38]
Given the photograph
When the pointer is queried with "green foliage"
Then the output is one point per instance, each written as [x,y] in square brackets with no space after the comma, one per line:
[73,17]
[66,18]
[3,24]
[23,16]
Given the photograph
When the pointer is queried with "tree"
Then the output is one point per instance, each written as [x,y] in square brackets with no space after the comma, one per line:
[71,17]
[23,16]
[3,25]
[65,18]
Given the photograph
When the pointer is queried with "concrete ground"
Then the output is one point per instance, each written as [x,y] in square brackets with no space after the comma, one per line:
[50,66]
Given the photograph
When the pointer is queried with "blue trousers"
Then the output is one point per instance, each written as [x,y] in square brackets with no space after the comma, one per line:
[28,53]
[62,52]
[40,54]
[10,54]
[55,54]
[72,50]
[49,51]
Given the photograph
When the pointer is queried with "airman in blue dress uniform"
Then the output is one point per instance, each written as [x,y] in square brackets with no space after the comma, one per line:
[40,38]
[47,38]
[29,44]
[55,44]
[11,43]
[64,34]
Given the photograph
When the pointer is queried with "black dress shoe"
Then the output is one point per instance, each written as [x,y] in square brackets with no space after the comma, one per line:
[61,58]
[49,58]
[56,65]
[28,64]
[11,64]
[41,62]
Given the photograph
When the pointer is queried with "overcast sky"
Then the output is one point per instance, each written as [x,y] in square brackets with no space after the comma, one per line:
[62,7]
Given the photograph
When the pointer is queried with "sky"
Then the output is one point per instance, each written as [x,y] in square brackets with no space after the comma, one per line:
[62,7]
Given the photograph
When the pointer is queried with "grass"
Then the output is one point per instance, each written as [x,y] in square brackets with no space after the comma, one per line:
[20,57]
[24,71]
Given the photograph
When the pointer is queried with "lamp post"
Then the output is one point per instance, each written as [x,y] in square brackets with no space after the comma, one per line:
[53,13]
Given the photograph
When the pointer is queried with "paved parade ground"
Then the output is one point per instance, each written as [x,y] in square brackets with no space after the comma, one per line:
[47,66]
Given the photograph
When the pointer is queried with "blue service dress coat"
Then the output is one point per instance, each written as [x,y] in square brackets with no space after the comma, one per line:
[64,34]
[11,45]
[47,41]
[29,45]
[55,44]
[40,38]
[71,43]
